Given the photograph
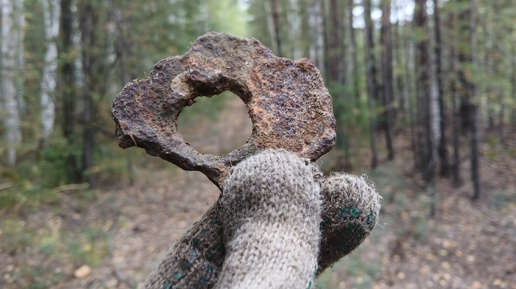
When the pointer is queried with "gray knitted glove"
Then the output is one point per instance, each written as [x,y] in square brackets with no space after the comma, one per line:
[266,229]
[271,214]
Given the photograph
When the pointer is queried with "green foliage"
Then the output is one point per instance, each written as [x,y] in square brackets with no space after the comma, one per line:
[421,228]
[15,236]
[347,109]
[419,35]
[501,198]
[352,115]
[157,29]
[149,31]
[40,277]
[58,244]
[37,180]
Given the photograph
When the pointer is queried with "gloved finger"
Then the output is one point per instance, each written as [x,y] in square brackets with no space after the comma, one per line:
[351,207]
[270,215]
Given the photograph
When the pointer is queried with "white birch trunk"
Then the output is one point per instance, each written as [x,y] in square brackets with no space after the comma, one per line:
[10,115]
[19,35]
[48,82]
[435,115]
[316,28]
[294,35]
[270,25]
[435,112]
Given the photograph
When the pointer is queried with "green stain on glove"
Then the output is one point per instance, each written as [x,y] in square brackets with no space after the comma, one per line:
[350,212]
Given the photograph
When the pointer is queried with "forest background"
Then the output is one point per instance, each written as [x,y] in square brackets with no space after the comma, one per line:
[424,95]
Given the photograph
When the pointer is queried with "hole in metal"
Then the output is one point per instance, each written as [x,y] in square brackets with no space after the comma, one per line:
[216,125]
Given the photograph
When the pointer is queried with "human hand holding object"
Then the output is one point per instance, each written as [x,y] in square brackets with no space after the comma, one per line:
[278,221]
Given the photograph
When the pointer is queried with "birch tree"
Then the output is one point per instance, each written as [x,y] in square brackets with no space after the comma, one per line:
[316,28]
[443,151]
[51,15]
[294,20]
[19,53]
[8,67]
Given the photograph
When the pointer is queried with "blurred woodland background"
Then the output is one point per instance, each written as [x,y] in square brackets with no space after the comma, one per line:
[424,93]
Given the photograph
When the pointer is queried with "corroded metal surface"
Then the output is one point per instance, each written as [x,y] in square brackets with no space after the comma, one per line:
[287,102]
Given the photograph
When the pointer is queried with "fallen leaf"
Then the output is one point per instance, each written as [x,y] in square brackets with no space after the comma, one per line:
[82,272]
[401,275]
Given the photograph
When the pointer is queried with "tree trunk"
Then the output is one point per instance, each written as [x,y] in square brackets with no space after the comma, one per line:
[409,72]
[388,89]
[372,85]
[513,87]
[271,9]
[87,22]
[67,87]
[469,101]
[466,109]
[475,146]
[456,127]
[8,68]
[475,109]
[19,33]
[443,151]
[335,56]
[457,179]
[96,49]
[501,118]
[294,20]
[270,25]
[315,23]
[353,76]
[48,79]
[399,60]
[426,138]
[497,71]
[326,39]
[123,52]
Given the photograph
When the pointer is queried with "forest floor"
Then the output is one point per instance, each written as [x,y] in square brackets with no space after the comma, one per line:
[113,237]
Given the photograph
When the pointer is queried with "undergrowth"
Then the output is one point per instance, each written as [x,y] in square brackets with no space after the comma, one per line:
[39,188]
[403,212]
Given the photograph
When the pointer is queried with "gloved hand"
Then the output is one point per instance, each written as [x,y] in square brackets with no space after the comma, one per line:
[277,224]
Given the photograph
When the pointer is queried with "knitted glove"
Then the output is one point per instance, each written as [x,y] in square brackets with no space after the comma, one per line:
[266,227]
[271,210]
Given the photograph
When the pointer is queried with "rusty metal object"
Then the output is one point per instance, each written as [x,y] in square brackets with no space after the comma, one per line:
[287,102]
